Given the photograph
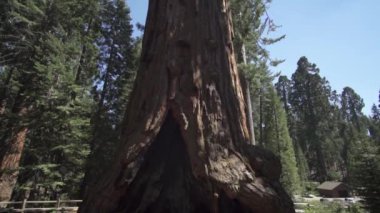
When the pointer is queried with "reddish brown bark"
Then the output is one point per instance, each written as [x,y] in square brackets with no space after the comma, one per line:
[184,146]
[10,157]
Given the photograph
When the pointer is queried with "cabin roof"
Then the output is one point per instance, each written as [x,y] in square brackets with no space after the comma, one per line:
[329,185]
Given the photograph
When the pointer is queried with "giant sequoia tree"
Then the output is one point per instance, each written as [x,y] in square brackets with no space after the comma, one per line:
[184,141]
[309,99]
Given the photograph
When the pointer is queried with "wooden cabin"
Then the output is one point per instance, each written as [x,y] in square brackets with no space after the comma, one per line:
[333,189]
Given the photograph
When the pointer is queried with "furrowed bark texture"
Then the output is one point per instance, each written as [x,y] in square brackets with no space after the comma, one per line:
[184,145]
[10,156]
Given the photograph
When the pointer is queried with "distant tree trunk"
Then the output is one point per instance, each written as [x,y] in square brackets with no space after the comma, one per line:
[91,170]
[261,119]
[82,59]
[12,146]
[3,92]
[247,94]
[321,164]
[184,145]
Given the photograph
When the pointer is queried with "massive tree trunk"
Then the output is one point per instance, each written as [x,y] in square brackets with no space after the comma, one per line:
[184,145]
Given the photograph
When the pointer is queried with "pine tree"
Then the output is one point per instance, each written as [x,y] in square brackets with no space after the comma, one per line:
[353,130]
[309,99]
[43,39]
[284,88]
[334,142]
[366,175]
[250,42]
[374,123]
[352,105]
[117,66]
[366,166]
[17,52]
[276,138]
[67,110]
[246,24]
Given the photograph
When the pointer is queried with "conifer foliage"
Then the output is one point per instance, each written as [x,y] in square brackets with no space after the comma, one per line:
[254,62]
[329,130]
[50,55]
[116,72]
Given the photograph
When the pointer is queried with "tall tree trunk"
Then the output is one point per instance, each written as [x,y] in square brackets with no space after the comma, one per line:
[277,129]
[183,146]
[10,153]
[321,161]
[81,64]
[247,94]
[261,119]
[82,59]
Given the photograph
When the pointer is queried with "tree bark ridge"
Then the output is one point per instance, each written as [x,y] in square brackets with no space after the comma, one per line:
[10,156]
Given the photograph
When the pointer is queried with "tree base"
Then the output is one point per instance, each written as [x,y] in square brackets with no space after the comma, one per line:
[165,182]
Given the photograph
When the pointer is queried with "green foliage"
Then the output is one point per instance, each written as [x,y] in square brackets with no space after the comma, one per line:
[374,125]
[276,138]
[116,74]
[250,21]
[284,87]
[366,165]
[309,99]
[41,47]
[253,62]
[333,207]
[51,54]
[58,139]
[366,175]
[327,128]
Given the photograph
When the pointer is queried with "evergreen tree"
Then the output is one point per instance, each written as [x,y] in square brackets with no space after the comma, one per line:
[352,105]
[366,175]
[353,130]
[284,87]
[276,138]
[302,165]
[23,22]
[246,24]
[335,141]
[374,123]
[250,52]
[310,104]
[42,39]
[253,60]
[366,164]
[116,72]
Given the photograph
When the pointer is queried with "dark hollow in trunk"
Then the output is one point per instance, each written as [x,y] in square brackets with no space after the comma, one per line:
[165,182]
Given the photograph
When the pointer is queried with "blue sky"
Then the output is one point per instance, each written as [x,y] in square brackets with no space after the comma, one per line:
[341,36]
